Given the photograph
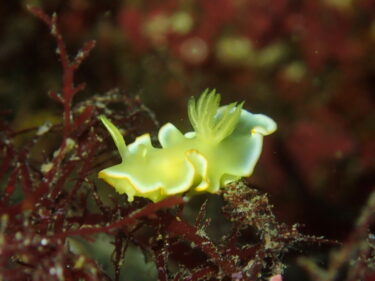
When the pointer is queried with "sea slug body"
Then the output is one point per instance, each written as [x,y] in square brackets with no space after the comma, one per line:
[224,146]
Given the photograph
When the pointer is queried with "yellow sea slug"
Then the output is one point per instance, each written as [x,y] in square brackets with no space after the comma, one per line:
[224,146]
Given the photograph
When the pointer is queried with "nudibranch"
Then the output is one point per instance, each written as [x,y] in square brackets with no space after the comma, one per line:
[224,146]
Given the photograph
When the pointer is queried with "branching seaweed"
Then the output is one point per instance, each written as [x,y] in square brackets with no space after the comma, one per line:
[45,203]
